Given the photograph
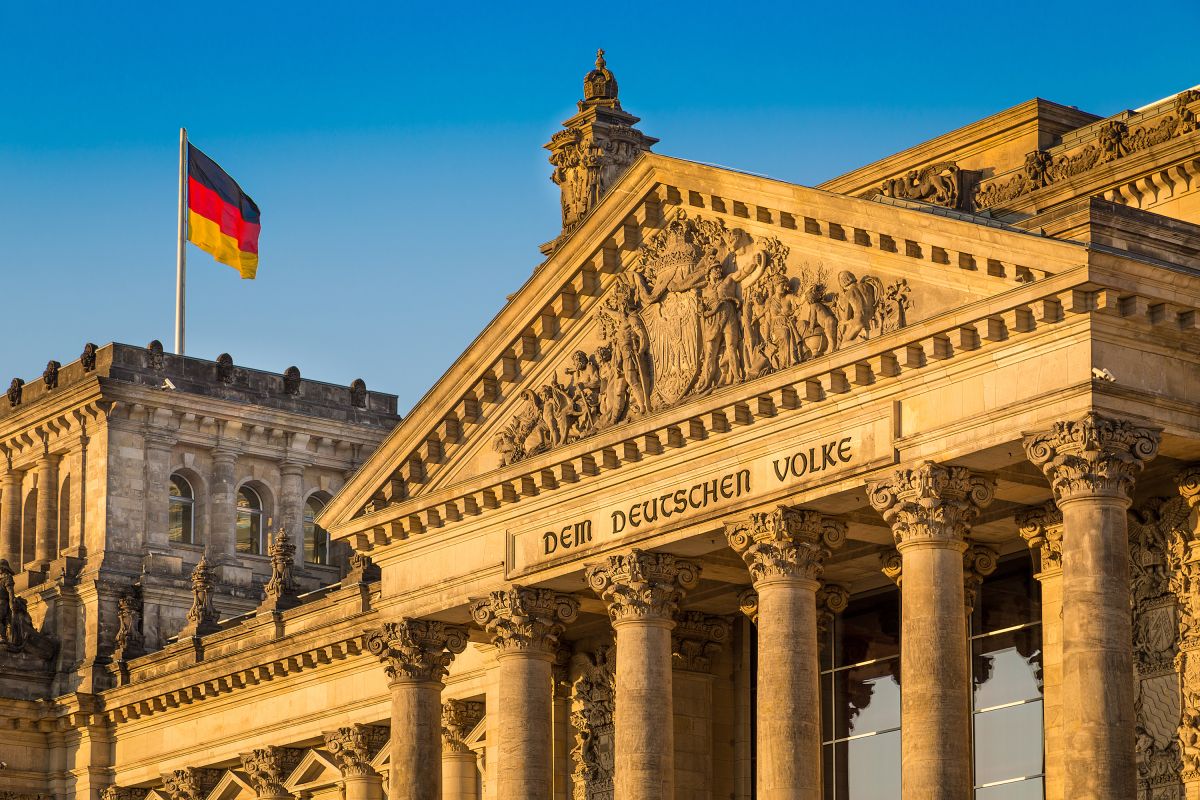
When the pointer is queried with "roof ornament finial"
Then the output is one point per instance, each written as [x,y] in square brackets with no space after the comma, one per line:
[600,58]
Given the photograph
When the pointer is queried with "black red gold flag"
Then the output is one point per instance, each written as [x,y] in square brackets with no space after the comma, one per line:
[221,218]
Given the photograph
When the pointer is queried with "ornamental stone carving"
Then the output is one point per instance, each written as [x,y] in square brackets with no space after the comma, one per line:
[202,616]
[190,783]
[1041,527]
[785,542]
[525,620]
[979,561]
[940,184]
[643,586]
[128,643]
[593,709]
[225,371]
[50,374]
[268,767]
[88,357]
[154,355]
[416,649]
[353,747]
[280,591]
[705,306]
[459,718]
[15,390]
[832,599]
[1093,456]
[291,380]
[891,563]
[931,502]
[747,600]
[115,793]
[697,639]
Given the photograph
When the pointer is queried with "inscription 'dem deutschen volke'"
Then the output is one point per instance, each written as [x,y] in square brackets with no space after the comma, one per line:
[710,492]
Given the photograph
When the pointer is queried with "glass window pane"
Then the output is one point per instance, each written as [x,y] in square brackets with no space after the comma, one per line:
[1018,790]
[866,699]
[1008,743]
[827,707]
[179,522]
[180,487]
[827,771]
[866,768]
[1007,667]
[248,499]
[1010,596]
[248,528]
[868,629]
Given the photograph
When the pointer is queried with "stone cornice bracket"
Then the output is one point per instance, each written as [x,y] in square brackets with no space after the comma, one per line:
[832,599]
[1042,527]
[643,586]
[353,747]
[979,561]
[1092,457]
[931,504]
[785,542]
[416,650]
[524,620]
[698,638]
[747,600]
[268,767]
[190,783]
[459,718]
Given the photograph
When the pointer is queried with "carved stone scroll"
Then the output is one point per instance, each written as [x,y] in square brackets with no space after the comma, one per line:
[1041,528]
[523,619]
[268,767]
[459,718]
[353,747]
[786,542]
[416,649]
[931,502]
[643,585]
[1092,456]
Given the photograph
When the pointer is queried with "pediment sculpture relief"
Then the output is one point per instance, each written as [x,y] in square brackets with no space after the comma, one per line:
[705,306]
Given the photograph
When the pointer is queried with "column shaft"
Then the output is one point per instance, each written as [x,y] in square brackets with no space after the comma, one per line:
[789,691]
[460,776]
[47,510]
[223,516]
[363,787]
[291,505]
[416,740]
[644,725]
[1097,657]
[934,674]
[525,715]
[1052,684]
[10,535]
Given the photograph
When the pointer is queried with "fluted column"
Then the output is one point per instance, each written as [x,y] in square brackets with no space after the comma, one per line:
[460,771]
[268,767]
[931,508]
[1091,464]
[352,748]
[47,510]
[696,641]
[785,550]
[643,591]
[525,625]
[10,506]
[1041,528]
[416,654]
[222,516]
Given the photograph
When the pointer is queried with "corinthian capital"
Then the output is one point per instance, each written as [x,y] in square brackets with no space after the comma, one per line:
[353,747]
[931,502]
[832,599]
[190,783]
[525,620]
[1092,457]
[459,718]
[785,542]
[697,640]
[641,585]
[747,600]
[1042,527]
[979,561]
[1188,481]
[268,767]
[416,649]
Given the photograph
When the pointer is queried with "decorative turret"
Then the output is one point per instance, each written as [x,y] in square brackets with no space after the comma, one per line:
[594,149]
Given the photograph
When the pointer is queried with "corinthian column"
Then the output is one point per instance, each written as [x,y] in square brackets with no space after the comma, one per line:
[268,767]
[525,625]
[10,523]
[352,748]
[931,508]
[643,591]
[1091,465]
[1041,528]
[785,550]
[460,775]
[416,654]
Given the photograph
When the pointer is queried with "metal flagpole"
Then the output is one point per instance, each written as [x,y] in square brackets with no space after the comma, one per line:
[180,249]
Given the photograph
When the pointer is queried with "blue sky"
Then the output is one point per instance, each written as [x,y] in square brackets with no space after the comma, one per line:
[395,149]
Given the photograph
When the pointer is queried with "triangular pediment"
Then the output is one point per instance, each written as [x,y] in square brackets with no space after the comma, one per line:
[685,281]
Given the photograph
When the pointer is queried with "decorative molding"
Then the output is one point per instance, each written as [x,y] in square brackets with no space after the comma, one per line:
[1092,457]
[523,620]
[459,718]
[785,542]
[268,767]
[1042,527]
[697,639]
[354,746]
[931,502]
[642,585]
[416,650]
[593,709]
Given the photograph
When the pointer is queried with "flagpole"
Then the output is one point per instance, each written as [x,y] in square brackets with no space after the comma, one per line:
[180,247]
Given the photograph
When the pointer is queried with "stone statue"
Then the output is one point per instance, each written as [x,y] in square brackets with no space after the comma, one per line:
[202,616]
[15,390]
[128,641]
[7,596]
[88,357]
[50,374]
[856,306]
[280,591]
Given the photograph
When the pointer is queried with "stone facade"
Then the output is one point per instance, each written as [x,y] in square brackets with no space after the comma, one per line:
[744,471]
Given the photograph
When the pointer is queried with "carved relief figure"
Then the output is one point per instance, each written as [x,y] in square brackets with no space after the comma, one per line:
[856,306]
[937,183]
[592,717]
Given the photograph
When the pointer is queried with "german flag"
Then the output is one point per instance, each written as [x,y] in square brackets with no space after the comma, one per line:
[222,219]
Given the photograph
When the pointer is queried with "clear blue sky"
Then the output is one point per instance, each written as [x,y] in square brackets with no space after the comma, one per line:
[395,149]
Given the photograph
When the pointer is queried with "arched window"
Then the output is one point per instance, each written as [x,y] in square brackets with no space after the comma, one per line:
[64,513]
[249,521]
[182,515]
[316,538]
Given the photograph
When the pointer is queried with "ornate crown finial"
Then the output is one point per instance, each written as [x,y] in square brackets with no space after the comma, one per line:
[600,58]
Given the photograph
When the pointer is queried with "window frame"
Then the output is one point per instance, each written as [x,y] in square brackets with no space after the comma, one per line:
[324,559]
[257,516]
[187,502]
